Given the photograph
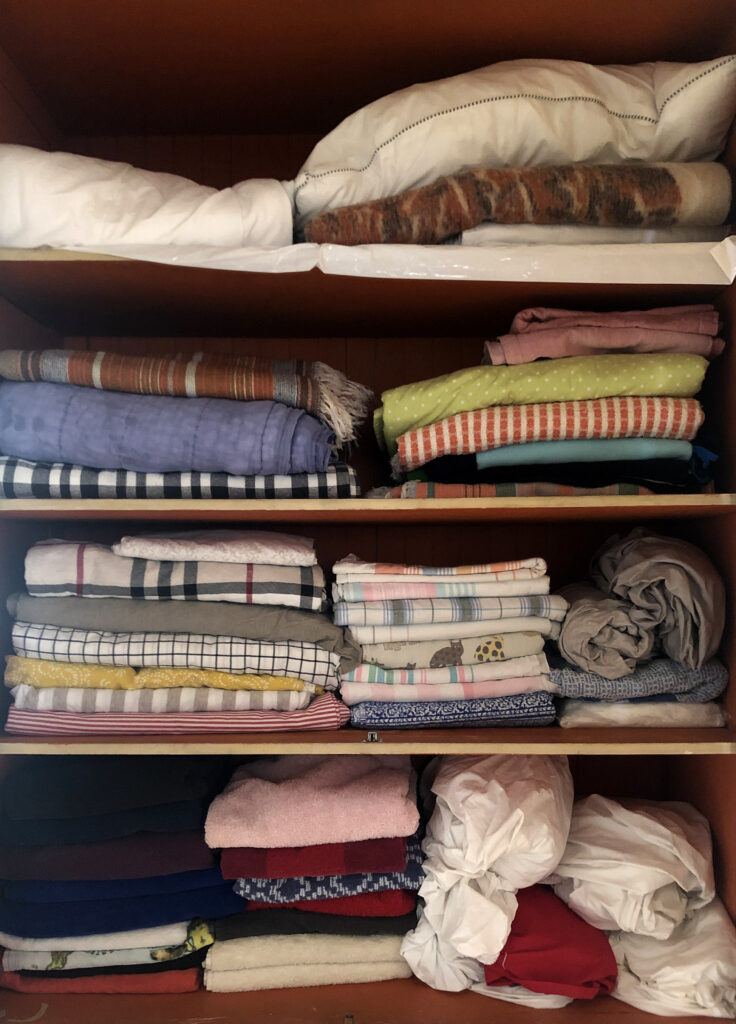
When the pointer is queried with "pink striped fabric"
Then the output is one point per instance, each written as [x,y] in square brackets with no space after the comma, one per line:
[501,425]
[525,568]
[325,712]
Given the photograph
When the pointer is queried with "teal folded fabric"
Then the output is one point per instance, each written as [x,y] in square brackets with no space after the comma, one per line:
[616,450]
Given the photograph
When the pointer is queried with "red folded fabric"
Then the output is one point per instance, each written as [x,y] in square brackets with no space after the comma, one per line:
[553,951]
[166,981]
[391,903]
[141,855]
[368,855]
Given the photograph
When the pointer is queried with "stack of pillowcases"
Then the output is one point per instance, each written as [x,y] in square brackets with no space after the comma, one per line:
[326,852]
[638,644]
[105,874]
[568,403]
[513,152]
[452,646]
[212,631]
[77,424]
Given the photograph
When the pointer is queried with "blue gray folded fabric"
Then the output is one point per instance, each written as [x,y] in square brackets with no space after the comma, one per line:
[527,709]
[659,678]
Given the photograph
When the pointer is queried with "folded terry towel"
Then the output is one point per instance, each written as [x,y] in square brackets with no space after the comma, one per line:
[23,478]
[180,816]
[307,800]
[56,568]
[315,387]
[375,855]
[609,195]
[578,378]
[672,582]
[525,709]
[604,634]
[475,651]
[303,975]
[158,434]
[300,922]
[299,660]
[497,426]
[254,622]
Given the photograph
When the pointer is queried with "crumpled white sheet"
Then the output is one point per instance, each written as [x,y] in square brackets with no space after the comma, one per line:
[522,996]
[692,972]
[650,714]
[500,824]
[637,866]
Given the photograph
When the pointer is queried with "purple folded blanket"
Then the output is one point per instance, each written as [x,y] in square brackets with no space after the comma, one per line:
[157,433]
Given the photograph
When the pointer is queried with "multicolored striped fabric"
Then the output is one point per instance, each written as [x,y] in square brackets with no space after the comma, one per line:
[357,693]
[500,425]
[524,569]
[325,712]
[410,589]
[542,489]
[532,664]
[160,702]
[458,609]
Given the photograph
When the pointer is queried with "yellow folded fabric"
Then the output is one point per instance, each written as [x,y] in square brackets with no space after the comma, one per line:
[32,672]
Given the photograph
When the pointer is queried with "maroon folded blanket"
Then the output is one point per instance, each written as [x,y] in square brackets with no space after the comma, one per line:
[142,855]
[390,903]
[552,950]
[368,855]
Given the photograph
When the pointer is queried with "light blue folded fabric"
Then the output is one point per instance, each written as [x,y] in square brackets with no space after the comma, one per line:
[523,709]
[661,676]
[158,433]
[615,450]
[326,887]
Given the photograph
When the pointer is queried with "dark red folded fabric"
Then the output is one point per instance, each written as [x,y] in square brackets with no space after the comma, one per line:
[167,981]
[553,951]
[391,903]
[141,855]
[370,855]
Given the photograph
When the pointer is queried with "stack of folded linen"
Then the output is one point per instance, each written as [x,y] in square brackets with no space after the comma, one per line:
[643,871]
[447,646]
[106,878]
[195,632]
[639,640]
[615,419]
[79,424]
[326,852]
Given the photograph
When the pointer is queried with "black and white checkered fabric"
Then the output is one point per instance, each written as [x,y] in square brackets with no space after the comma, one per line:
[20,478]
[297,660]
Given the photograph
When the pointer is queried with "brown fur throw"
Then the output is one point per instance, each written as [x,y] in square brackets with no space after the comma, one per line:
[620,195]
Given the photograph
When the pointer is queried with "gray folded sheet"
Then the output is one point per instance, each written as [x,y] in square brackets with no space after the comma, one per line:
[603,634]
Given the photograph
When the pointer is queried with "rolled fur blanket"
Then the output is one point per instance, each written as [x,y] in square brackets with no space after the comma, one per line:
[608,195]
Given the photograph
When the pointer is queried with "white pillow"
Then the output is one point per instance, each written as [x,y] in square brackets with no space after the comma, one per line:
[60,199]
[520,112]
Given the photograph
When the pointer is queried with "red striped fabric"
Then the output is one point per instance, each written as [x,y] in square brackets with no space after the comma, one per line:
[325,712]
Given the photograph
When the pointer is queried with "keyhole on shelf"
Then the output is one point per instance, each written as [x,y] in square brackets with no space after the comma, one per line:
[348,1019]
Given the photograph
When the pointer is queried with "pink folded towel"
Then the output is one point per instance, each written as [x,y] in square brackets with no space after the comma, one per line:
[542,333]
[302,800]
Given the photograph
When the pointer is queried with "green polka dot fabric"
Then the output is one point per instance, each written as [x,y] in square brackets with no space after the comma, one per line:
[673,375]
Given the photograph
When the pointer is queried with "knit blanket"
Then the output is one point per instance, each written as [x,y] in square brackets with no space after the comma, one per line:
[474,652]
[352,569]
[21,478]
[525,709]
[577,378]
[57,568]
[357,693]
[254,622]
[316,387]
[541,489]
[50,674]
[169,701]
[156,434]
[497,426]
[230,654]
[609,195]
[660,676]
[483,668]
[300,800]
[449,631]
[326,887]
[450,609]
[325,712]
[296,961]
[369,855]
[541,333]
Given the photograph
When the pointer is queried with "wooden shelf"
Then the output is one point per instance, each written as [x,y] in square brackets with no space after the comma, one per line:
[92,295]
[549,740]
[373,510]
[387,1002]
